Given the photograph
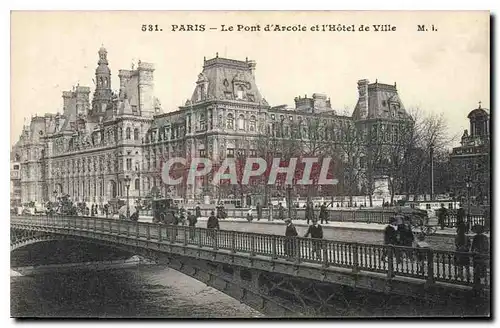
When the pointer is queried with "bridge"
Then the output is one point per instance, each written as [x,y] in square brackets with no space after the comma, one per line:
[274,274]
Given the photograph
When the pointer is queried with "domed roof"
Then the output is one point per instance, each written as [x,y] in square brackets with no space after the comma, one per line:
[479,112]
[104,69]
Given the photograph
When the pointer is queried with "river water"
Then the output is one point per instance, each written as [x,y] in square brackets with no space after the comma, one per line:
[147,291]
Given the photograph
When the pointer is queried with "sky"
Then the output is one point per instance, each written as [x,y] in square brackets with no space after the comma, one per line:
[441,71]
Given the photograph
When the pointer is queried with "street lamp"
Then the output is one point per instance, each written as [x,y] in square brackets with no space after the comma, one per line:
[137,168]
[127,185]
[289,196]
[468,185]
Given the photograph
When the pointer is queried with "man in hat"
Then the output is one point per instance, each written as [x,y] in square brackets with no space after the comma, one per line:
[290,233]
[316,232]
[442,214]
[192,223]
[481,247]
[461,217]
[323,214]
[259,211]
[390,235]
[281,212]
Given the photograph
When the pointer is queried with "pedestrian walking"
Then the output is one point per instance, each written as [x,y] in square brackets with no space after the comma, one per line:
[442,215]
[212,225]
[461,218]
[259,211]
[281,212]
[316,232]
[390,235]
[481,247]
[290,234]
[198,211]
[192,220]
[323,213]
[405,236]
[462,245]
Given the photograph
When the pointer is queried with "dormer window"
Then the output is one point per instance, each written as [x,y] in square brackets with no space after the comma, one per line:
[239,93]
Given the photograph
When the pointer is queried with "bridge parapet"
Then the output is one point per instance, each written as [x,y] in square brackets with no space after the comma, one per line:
[431,266]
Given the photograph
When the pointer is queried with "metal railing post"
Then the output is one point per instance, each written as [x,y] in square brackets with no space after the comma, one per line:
[102,225]
[185,231]
[148,232]
[430,266]
[137,235]
[233,241]
[159,232]
[119,224]
[216,239]
[390,261]
[296,245]
[355,260]
[128,229]
[109,226]
[200,232]
[324,250]
[252,245]
[274,254]
[95,224]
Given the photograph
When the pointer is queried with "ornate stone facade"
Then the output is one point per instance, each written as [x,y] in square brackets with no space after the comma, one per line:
[89,149]
[471,162]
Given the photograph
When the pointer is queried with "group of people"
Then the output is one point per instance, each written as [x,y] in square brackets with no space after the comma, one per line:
[399,233]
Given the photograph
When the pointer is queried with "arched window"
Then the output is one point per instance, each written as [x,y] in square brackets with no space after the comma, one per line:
[136,134]
[113,189]
[252,123]
[230,121]
[241,122]
[203,123]
[137,184]
[127,133]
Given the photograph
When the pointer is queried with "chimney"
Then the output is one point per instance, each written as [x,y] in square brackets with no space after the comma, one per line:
[363,98]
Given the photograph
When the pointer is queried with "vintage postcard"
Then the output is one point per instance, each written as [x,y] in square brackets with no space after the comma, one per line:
[191,164]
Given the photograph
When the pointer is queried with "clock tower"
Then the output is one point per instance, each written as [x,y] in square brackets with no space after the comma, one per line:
[102,94]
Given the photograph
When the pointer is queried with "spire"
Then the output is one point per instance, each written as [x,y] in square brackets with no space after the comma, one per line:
[479,105]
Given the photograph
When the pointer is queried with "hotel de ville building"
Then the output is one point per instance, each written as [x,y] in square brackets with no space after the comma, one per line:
[101,137]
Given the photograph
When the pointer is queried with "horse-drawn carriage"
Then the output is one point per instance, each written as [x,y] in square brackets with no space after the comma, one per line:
[164,211]
[418,219]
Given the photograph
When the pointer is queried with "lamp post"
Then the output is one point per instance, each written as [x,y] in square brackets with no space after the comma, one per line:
[468,185]
[289,196]
[137,168]
[55,195]
[431,155]
[127,185]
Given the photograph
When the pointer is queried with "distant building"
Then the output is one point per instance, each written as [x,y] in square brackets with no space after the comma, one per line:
[471,161]
[89,149]
[15,180]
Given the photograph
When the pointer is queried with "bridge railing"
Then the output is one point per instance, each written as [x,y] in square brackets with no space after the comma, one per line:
[428,264]
[361,216]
